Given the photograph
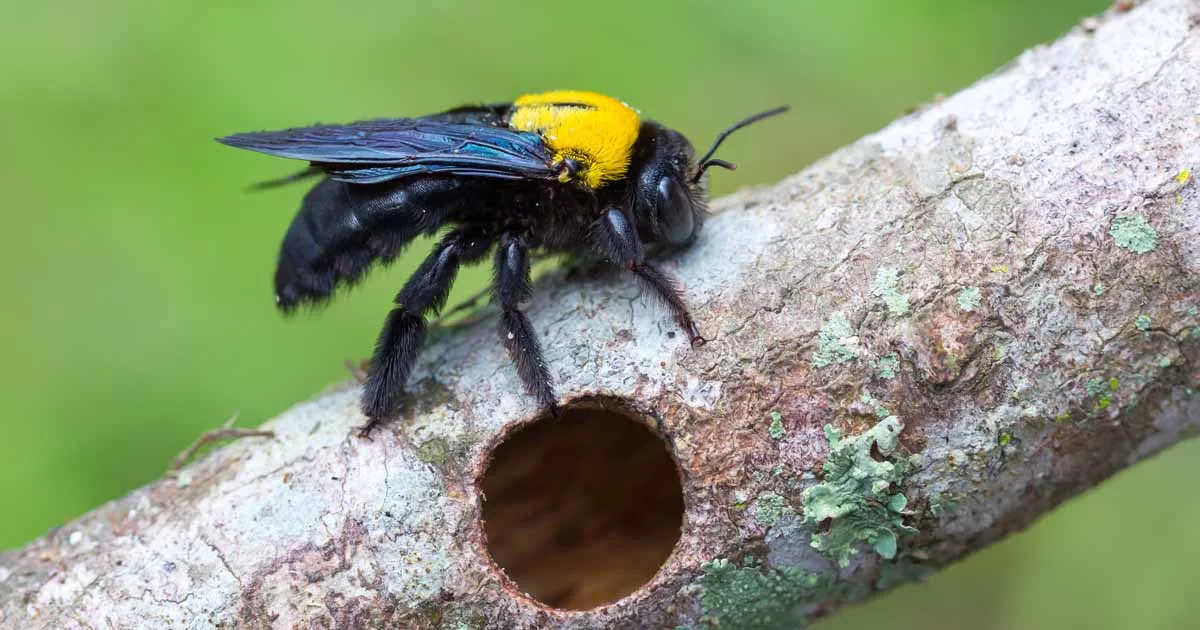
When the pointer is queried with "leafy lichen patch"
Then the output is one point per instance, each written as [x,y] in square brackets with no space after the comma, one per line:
[889,365]
[775,429]
[771,507]
[1134,233]
[855,502]
[873,404]
[835,342]
[1103,391]
[886,286]
[1097,386]
[755,598]
[1142,322]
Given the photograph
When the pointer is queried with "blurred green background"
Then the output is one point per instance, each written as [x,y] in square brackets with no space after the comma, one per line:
[136,270]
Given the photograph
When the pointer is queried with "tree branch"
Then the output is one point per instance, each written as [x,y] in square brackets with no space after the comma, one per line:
[919,345]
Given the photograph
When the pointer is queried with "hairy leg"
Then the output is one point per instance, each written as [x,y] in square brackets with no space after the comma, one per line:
[512,286]
[614,237]
[404,330]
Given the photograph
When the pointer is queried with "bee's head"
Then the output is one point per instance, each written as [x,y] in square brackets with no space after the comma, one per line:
[670,188]
[667,205]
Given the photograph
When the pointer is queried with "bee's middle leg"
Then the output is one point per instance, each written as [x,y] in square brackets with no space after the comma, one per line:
[512,286]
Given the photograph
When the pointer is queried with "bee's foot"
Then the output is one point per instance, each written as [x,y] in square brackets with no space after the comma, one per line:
[364,431]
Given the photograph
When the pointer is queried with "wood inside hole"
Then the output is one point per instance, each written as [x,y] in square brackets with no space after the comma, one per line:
[582,510]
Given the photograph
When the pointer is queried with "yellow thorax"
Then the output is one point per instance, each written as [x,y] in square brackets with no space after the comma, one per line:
[596,130]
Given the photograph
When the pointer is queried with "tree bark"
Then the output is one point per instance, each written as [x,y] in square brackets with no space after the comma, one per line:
[917,346]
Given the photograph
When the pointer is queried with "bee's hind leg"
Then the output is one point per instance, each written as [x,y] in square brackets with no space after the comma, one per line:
[404,330]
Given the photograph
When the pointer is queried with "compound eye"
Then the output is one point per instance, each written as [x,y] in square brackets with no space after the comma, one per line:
[676,218]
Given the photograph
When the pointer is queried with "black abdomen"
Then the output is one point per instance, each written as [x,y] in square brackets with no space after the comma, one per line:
[342,229]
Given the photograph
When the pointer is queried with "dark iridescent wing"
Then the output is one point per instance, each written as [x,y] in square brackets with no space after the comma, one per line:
[474,114]
[379,150]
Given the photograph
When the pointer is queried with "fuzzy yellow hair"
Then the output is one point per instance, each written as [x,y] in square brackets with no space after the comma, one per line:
[597,131]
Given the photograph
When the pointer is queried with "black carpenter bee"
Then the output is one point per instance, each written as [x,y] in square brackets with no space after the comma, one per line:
[563,171]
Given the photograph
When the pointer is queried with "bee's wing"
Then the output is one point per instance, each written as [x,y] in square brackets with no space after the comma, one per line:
[385,149]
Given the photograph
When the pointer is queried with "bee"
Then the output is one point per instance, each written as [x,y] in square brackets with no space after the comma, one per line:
[557,172]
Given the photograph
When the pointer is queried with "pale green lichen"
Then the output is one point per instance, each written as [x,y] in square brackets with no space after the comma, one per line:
[831,342]
[1142,322]
[854,502]
[889,365]
[183,478]
[1134,233]
[968,298]
[940,504]
[1098,289]
[771,507]
[440,616]
[434,451]
[776,430]
[876,407]
[1102,390]
[887,287]
[754,598]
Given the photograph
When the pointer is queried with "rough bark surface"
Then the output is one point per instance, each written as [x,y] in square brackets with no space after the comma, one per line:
[919,344]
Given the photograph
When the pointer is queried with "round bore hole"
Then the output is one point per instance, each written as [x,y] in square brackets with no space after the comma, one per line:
[582,510]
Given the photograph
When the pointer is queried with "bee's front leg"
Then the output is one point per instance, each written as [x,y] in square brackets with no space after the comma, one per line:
[615,238]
